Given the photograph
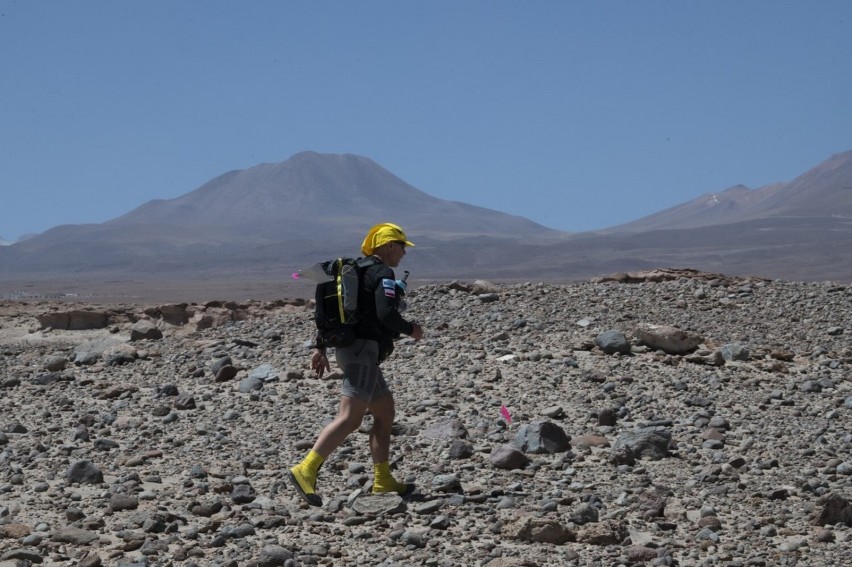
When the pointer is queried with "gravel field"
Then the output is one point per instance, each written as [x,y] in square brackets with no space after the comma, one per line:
[662,418]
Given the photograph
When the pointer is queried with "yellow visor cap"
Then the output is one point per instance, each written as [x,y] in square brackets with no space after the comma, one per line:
[382,234]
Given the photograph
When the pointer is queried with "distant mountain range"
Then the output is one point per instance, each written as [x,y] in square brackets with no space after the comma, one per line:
[268,220]
[824,191]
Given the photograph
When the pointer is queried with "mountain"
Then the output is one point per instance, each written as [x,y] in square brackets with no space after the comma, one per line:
[265,222]
[4,242]
[271,219]
[799,230]
[822,192]
[341,193]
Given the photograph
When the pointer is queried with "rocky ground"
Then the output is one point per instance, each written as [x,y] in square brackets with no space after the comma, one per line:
[667,418]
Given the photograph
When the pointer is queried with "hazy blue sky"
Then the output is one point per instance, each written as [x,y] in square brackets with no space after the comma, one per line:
[577,115]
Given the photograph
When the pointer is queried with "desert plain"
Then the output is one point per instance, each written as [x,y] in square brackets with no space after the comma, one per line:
[669,417]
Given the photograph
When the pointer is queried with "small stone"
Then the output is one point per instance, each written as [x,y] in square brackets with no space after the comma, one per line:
[55,363]
[145,330]
[14,531]
[74,536]
[274,556]
[607,417]
[446,483]
[84,472]
[250,384]
[226,374]
[243,494]
[185,402]
[120,502]
[612,342]
[508,457]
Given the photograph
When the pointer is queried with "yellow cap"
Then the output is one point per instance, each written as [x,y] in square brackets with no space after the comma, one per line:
[382,234]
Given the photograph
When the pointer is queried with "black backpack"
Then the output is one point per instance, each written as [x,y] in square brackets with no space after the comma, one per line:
[337,301]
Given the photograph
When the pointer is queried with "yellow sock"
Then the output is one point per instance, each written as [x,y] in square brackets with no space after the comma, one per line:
[306,471]
[312,462]
[304,477]
[383,480]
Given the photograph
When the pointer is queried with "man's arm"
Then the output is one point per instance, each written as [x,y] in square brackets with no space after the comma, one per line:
[386,311]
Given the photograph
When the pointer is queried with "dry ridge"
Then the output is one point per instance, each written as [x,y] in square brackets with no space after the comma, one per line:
[664,418]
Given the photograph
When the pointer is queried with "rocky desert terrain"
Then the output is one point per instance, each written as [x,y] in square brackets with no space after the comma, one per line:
[659,418]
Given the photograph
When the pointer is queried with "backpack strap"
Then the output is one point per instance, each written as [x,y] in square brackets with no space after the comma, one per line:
[367,262]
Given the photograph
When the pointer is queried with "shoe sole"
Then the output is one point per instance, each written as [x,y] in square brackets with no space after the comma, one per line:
[311,499]
[409,490]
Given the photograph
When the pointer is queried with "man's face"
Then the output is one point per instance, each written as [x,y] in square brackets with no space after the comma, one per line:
[396,253]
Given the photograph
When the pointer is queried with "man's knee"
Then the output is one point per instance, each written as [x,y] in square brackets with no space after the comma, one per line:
[382,423]
[352,418]
[384,419]
[351,415]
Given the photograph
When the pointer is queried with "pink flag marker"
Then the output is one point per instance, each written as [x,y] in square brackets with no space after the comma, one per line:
[295,275]
[504,411]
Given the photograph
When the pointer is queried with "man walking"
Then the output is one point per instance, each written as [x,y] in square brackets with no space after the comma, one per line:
[364,387]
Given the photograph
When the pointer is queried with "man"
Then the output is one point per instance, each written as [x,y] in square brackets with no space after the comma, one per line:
[364,387]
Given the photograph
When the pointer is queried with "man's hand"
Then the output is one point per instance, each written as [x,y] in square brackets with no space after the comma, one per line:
[319,363]
[417,333]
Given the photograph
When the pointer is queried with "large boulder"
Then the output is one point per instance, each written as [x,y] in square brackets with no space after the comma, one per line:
[74,320]
[646,442]
[538,530]
[84,472]
[612,342]
[670,340]
[832,509]
[542,437]
[508,457]
[145,330]
[173,314]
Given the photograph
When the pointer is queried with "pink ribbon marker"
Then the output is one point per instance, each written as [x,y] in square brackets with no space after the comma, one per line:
[504,411]
[295,275]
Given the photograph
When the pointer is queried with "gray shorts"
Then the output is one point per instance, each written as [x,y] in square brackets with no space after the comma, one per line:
[362,377]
